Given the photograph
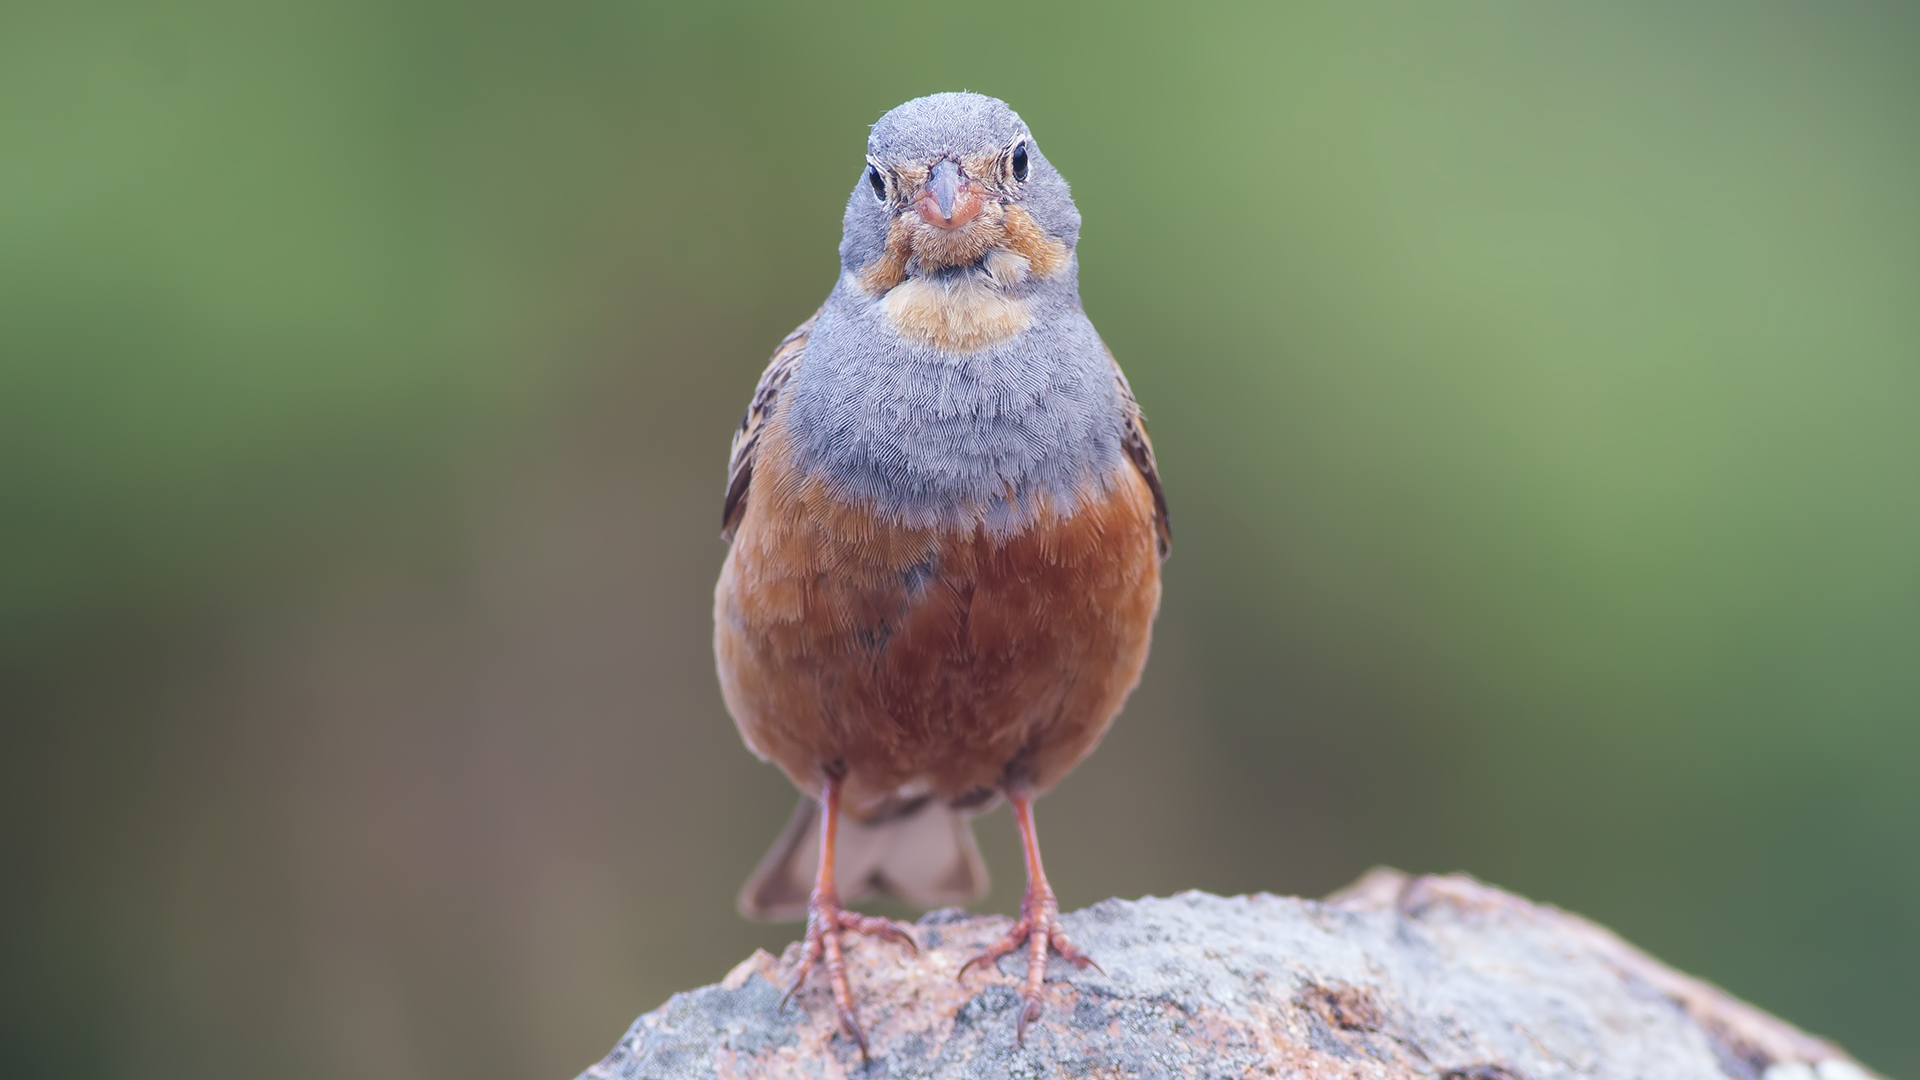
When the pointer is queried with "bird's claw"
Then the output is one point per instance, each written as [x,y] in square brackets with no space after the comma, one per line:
[826,919]
[1040,930]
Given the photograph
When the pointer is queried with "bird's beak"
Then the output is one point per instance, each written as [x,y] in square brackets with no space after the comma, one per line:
[949,200]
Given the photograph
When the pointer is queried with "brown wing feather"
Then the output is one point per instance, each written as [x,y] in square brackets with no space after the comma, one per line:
[1133,437]
[786,360]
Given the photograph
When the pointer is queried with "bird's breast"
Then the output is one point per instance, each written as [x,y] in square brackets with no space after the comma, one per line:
[886,418]
[931,654]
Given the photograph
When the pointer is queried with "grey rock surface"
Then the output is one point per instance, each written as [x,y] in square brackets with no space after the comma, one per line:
[1433,977]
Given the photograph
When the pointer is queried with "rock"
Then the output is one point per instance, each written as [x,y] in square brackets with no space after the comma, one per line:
[1441,978]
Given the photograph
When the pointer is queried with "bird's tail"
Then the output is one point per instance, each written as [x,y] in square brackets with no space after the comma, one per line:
[925,857]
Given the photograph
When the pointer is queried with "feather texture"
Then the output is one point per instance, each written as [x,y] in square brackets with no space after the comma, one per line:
[945,520]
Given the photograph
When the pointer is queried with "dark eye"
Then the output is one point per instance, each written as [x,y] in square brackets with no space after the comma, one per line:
[877,182]
[1020,162]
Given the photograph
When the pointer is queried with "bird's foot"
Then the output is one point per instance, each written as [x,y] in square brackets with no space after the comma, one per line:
[1039,929]
[825,921]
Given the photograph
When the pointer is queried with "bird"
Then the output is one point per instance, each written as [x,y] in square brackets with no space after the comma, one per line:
[945,528]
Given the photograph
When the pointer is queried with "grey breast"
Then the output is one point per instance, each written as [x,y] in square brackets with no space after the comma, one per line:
[936,438]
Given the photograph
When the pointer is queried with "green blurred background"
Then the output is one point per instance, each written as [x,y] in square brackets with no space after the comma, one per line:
[1537,388]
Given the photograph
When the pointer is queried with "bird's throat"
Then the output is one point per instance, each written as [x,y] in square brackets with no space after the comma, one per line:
[959,290]
[962,313]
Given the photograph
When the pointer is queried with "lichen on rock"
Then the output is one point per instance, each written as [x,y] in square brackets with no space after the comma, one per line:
[1431,977]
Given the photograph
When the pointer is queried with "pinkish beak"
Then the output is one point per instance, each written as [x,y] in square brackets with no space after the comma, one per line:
[949,200]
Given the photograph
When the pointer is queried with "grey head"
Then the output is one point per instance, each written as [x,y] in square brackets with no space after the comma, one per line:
[941,171]
[952,378]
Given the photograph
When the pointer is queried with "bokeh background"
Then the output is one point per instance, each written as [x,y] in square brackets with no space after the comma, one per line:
[1537,388]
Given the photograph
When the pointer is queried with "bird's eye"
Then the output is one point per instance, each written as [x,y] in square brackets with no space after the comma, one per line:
[877,182]
[1020,162]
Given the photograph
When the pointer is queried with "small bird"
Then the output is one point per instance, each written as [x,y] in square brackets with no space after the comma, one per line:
[946,530]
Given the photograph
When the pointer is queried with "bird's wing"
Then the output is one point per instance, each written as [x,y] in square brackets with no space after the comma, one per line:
[746,441]
[1133,437]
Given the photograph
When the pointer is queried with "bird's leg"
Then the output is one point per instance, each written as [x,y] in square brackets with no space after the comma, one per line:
[826,919]
[1039,926]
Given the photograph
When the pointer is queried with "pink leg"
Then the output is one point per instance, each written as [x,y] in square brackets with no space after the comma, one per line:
[826,919]
[1039,925]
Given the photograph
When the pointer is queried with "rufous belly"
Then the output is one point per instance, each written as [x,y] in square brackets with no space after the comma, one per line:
[944,662]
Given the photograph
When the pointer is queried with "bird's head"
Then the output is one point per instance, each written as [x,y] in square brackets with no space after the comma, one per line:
[954,185]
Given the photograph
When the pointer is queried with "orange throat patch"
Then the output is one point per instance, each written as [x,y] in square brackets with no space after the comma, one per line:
[973,311]
[962,316]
